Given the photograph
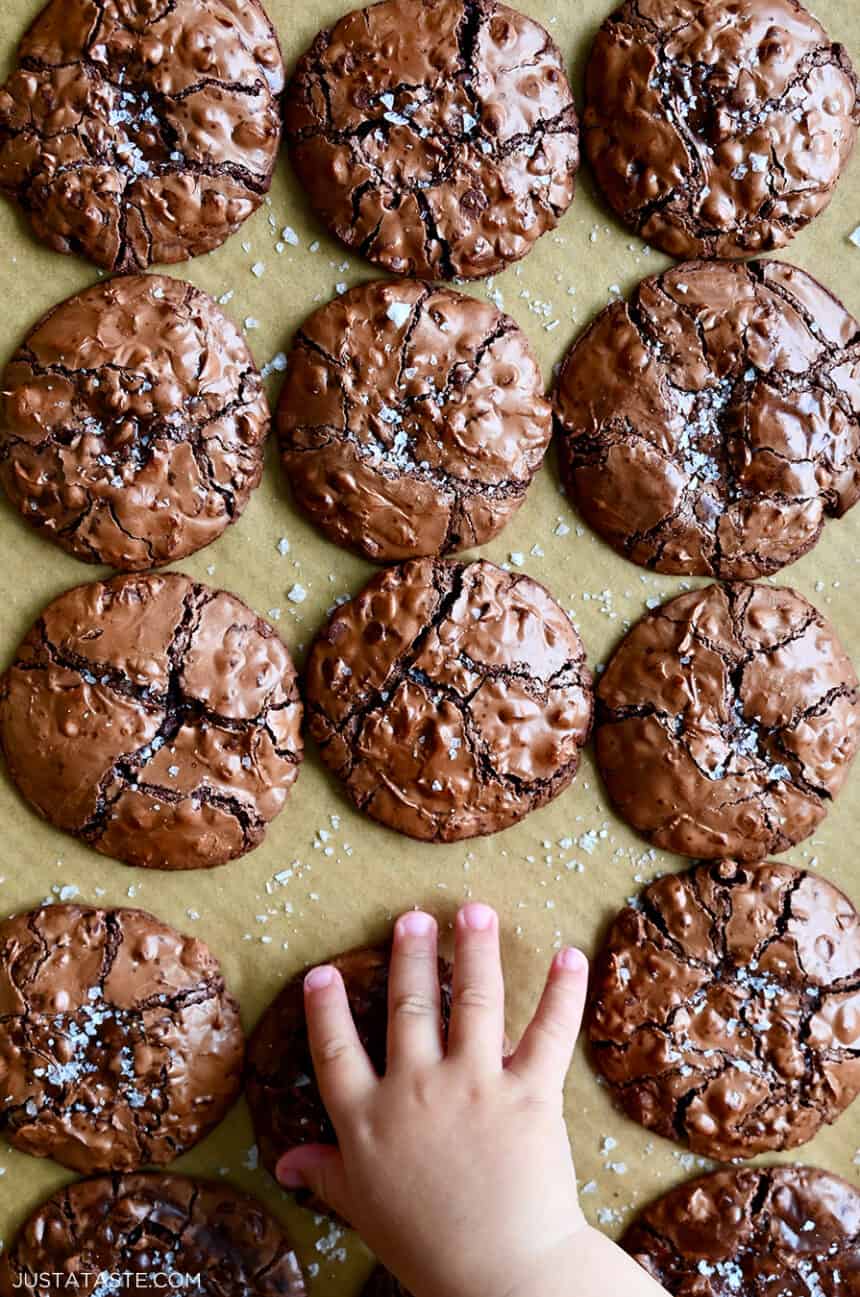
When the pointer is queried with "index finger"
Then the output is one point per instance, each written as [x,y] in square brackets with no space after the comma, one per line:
[344,1072]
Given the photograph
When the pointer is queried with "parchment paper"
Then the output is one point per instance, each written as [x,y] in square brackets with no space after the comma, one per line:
[349,876]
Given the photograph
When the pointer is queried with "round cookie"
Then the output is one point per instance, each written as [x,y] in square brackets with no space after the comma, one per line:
[133,132]
[724,1010]
[134,423]
[119,1043]
[383,1284]
[411,421]
[715,130]
[711,424]
[451,699]
[154,718]
[781,1231]
[126,1233]
[438,140]
[727,720]
[280,1086]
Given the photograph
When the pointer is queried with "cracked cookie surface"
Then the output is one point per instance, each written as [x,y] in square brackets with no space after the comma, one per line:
[134,423]
[780,1231]
[717,130]
[411,421]
[136,131]
[710,424]
[724,1011]
[154,718]
[727,720]
[450,699]
[119,1042]
[135,1226]
[438,140]
[280,1086]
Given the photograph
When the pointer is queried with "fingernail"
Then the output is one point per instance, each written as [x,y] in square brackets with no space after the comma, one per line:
[571,960]
[289,1178]
[415,924]
[317,978]
[477,916]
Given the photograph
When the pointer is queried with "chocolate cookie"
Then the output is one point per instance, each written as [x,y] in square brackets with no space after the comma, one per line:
[712,423]
[134,422]
[122,1234]
[727,720]
[412,420]
[119,1043]
[280,1087]
[383,1284]
[718,131]
[436,139]
[135,132]
[450,699]
[781,1231]
[154,718]
[725,1008]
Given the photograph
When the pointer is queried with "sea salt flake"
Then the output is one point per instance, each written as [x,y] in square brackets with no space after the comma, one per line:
[399,312]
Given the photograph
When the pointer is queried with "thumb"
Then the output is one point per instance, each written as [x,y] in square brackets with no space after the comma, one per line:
[319,1168]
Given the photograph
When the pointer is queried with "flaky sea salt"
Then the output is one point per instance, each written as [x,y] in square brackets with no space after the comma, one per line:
[399,312]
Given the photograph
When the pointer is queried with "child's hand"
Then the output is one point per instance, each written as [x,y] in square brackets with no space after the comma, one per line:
[454,1167]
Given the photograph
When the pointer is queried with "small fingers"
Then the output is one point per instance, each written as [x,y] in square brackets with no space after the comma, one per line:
[414,1012]
[478,1009]
[319,1168]
[543,1056]
[344,1073]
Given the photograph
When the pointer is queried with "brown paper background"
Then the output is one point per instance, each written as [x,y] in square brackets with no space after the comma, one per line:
[350,896]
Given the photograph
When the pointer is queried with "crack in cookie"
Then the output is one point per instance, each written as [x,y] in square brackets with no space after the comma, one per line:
[134,134]
[167,718]
[727,721]
[436,140]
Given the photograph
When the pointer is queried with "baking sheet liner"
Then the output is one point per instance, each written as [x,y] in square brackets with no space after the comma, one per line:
[557,877]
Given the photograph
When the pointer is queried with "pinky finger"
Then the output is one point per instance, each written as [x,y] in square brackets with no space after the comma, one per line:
[543,1056]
